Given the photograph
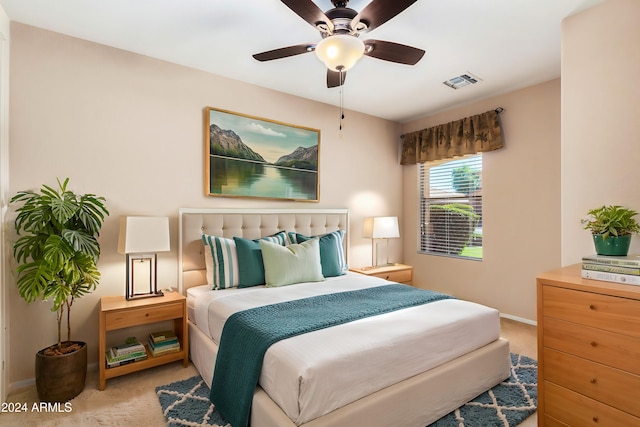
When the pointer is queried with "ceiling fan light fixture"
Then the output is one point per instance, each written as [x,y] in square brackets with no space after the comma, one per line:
[340,51]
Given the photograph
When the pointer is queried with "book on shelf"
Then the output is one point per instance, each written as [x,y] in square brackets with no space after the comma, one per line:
[157,351]
[158,343]
[127,356]
[163,342]
[164,345]
[611,277]
[113,362]
[611,268]
[628,261]
[161,336]
[131,346]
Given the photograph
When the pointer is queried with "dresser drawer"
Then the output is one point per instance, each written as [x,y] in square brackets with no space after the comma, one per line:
[612,386]
[611,349]
[552,422]
[614,314]
[577,410]
[141,316]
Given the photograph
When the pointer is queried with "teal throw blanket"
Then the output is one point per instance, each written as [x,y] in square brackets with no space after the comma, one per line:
[248,334]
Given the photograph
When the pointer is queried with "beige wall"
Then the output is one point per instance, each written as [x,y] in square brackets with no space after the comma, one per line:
[539,187]
[130,128]
[4,184]
[521,205]
[600,118]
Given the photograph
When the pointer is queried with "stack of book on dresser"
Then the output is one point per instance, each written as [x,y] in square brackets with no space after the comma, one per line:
[131,351]
[618,269]
[163,342]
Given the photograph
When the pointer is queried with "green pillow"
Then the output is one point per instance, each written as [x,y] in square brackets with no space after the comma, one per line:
[286,265]
[249,255]
[331,252]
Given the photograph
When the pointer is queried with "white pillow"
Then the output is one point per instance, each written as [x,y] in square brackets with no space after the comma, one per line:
[286,265]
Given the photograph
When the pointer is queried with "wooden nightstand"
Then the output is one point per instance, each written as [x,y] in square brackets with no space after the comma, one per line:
[118,313]
[400,273]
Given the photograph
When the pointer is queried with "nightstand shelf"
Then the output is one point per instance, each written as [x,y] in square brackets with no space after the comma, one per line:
[118,313]
[400,273]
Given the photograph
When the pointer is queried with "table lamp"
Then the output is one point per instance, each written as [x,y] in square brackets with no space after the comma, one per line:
[384,228]
[140,239]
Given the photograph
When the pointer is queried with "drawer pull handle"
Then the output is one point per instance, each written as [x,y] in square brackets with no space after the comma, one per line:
[593,380]
[594,344]
[592,307]
[387,277]
[595,419]
[146,315]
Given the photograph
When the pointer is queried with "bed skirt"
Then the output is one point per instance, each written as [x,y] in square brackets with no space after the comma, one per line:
[417,401]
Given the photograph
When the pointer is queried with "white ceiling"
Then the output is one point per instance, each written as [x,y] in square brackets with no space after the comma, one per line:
[509,44]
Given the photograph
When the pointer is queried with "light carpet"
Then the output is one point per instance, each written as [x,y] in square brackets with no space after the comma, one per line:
[186,402]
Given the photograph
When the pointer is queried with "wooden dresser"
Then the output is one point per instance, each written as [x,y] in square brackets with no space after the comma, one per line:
[588,351]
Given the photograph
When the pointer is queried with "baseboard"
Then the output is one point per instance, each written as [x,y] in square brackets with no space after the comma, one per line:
[30,382]
[19,385]
[519,319]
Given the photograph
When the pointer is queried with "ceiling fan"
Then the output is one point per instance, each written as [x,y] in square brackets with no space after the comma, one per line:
[340,28]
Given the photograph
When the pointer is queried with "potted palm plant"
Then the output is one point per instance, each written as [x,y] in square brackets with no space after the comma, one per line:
[612,227]
[57,252]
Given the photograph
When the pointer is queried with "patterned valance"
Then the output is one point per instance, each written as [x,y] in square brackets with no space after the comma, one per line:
[471,135]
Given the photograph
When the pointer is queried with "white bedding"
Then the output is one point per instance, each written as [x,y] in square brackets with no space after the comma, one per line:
[313,374]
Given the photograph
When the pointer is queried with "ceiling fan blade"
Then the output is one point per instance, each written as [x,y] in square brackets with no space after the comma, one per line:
[378,12]
[284,52]
[335,78]
[394,52]
[308,11]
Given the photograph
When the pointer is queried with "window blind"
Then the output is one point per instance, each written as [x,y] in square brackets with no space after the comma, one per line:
[451,207]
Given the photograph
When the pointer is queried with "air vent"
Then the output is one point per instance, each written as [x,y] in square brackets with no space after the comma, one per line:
[462,81]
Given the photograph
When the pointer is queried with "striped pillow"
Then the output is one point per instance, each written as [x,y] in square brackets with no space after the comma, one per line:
[222,262]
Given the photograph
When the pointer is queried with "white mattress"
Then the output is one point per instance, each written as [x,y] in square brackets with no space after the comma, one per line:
[313,374]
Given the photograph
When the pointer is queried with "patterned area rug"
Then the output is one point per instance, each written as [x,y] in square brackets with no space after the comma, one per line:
[186,402]
[505,405]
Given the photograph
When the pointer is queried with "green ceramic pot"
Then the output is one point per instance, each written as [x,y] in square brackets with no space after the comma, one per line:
[615,246]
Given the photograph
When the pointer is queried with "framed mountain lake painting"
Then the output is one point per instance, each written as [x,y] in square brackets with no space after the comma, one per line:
[249,156]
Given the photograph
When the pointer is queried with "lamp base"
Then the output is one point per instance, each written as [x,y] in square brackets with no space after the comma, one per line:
[141,296]
[374,267]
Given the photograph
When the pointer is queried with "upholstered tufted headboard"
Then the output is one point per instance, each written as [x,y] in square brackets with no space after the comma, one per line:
[249,224]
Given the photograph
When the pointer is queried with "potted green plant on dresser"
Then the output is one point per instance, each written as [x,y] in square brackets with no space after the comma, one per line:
[612,227]
[57,252]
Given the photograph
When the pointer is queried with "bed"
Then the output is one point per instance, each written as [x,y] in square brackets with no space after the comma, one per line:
[410,366]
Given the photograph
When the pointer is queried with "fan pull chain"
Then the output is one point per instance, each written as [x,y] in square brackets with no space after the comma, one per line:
[341,97]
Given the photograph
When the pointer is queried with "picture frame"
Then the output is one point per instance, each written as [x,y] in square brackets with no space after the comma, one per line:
[248,156]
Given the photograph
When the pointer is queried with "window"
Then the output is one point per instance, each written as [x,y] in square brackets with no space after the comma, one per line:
[451,207]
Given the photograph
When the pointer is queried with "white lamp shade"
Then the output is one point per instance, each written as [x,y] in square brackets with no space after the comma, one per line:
[381,227]
[143,234]
[340,51]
